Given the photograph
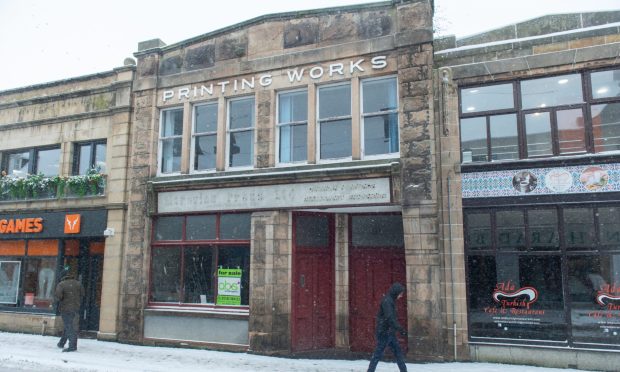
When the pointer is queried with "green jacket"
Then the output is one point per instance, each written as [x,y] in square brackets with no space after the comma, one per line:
[68,295]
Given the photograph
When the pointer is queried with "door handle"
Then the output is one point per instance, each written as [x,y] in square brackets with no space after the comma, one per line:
[302,281]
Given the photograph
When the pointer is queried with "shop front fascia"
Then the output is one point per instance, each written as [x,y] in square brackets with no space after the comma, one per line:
[34,248]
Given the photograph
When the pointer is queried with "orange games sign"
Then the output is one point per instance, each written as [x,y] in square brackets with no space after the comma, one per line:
[21,225]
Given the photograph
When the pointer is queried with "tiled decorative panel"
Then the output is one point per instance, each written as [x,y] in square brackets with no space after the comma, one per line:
[542,181]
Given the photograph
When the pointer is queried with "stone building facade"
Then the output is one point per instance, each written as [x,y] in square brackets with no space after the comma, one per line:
[534,110]
[293,158]
[64,148]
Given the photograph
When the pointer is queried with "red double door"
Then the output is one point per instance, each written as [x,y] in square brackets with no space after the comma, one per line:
[372,270]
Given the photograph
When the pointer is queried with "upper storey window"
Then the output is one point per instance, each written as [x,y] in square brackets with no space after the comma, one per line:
[204,144]
[379,117]
[334,121]
[20,163]
[293,126]
[544,117]
[170,141]
[241,132]
[89,155]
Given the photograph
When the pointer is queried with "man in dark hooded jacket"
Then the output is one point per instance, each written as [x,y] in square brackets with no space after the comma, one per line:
[387,325]
[68,295]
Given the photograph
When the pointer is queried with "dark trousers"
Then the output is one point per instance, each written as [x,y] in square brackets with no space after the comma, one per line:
[71,326]
[384,340]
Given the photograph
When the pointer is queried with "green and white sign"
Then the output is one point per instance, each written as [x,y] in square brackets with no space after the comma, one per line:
[229,286]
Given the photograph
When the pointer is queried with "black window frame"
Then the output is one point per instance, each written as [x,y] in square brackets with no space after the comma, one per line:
[77,146]
[33,155]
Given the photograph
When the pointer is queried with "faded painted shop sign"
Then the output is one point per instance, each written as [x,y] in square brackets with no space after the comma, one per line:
[315,194]
[294,75]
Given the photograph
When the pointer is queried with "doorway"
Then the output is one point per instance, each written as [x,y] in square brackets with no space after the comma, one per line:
[313,281]
[85,258]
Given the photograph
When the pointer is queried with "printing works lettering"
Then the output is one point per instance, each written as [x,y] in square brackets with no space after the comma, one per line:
[21,225]
[265,80]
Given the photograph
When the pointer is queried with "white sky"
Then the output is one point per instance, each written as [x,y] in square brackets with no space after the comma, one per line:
[45,40]
[30,353]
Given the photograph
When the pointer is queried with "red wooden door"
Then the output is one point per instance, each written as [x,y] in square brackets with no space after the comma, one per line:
[313,287]
[372,272]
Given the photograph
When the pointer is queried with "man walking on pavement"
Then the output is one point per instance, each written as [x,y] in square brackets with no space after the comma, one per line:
[387,325]
[68,296]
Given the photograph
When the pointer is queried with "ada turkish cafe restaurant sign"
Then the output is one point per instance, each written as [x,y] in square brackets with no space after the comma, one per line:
[53,224]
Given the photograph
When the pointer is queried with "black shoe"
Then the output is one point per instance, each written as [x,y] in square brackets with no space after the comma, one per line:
[68,350]
[60,346]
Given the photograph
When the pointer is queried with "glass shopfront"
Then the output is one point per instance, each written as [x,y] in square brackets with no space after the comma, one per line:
[546,274]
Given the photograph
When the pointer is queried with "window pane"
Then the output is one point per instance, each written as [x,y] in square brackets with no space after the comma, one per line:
[311,231]
[478,234]
[18,164]
[166,274]
[237,258]
[609,227]
[169,228]
[39,282]
[83,158]
[198,275]
[605,84]
[474,139]
[606,127]
[293,143]
[381,134]
[100,154]
[172,124]
[241,113]
[200,227]
[593,283]
[379,95]
[538,134]
[579,228]
[204,152]
[235,226]
[510,232]
[206,118]
[551,91]
[571,131]
[516,297]
[543,229]
[48,162]
[377,231]
[335,139]
[504,137]
[493,97]
[334,101]
[9,281]
[171,155]
[241,149]
[293,106]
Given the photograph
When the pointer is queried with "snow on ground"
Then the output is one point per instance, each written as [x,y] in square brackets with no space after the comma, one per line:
[21,352]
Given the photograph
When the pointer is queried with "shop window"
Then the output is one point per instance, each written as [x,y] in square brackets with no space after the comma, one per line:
[89,155]
[45,161]
[312,230]
[334,121]
[543,229]
[28,273]
[204,144]
[170,141]
[209,265]
[241,119]
[579,232]
[510,231]
[293,126]
[478,231]
[380,116]
[377,230]
[549,120]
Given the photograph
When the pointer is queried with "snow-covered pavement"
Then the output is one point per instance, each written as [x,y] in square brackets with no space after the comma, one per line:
[21,352]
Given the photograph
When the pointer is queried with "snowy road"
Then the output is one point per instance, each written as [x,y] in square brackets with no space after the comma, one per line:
[29,353]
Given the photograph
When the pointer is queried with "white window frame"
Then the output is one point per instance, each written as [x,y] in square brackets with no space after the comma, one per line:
[364,115]
[333,118]
[291,124]
[161,139]
[251,129]
[202,134]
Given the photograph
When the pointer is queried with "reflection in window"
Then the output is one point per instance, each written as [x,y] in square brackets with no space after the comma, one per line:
[165,274]
[543,229]
[605,84]
[571,131]
[606,127]
[198,275]
[478,233]
[474,139]
[380,116]
[538,134]
[170,137]
[609,227]
[579,228]
[335,121]
[241,132]
[169,228]
[90,155]
[504,137]
[510,233]
[293,126]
